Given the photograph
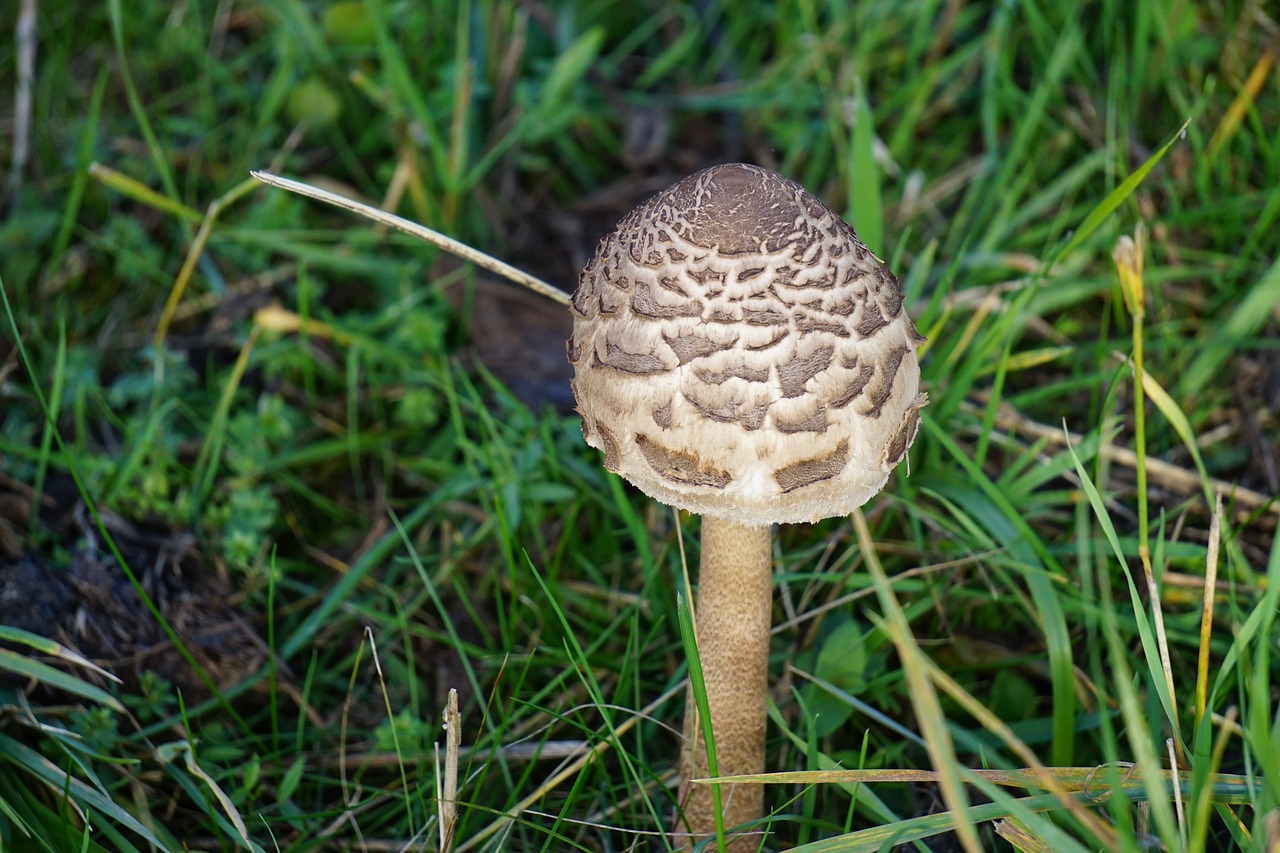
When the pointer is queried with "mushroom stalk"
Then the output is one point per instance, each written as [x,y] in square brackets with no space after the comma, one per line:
[733,615]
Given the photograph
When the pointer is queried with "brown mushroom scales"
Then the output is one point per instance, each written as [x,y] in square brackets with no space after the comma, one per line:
[739,354]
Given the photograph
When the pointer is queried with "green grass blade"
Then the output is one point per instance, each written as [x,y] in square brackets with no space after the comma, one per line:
[1114,199]
[924,698]
[1141,739]
[1243,323]
[698,692]
[1013,532]
[865,205]
[59,781]
[156,151]
[56,678]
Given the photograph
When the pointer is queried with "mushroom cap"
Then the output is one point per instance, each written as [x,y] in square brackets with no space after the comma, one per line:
[738,353]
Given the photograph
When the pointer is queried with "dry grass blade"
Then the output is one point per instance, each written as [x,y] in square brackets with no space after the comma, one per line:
[447,790]
[923,696]
[24,37]
[183,749]
[54,649]
[1048,778]
[1020,836]
[131,187]
[1165,474]
[193,256]
[1239,108]
[1177,789]
[277,319]
[1206,612]
[435,238]
[1162,639]
[569,771]
[1060,780]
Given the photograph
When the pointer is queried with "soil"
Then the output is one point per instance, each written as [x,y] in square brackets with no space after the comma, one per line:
[83,598]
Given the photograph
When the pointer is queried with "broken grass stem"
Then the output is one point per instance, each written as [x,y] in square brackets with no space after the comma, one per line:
[435,238]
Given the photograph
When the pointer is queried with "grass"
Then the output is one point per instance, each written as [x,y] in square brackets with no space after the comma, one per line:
[1046,620]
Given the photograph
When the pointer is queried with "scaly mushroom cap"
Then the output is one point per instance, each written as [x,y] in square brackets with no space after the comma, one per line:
[739,354]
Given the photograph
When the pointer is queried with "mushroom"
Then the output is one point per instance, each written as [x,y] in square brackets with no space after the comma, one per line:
[739,354]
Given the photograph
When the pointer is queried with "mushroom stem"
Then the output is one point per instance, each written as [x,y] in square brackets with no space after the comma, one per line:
[733,614]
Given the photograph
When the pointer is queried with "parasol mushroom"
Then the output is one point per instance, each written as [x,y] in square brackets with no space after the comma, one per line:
[739,354]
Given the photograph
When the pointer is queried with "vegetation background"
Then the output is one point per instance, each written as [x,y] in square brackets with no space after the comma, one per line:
[292,478]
